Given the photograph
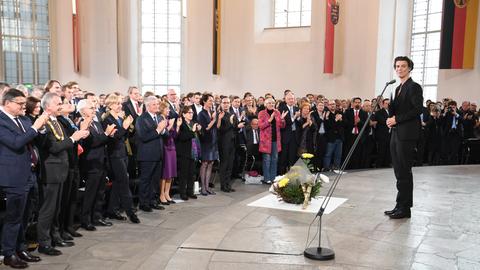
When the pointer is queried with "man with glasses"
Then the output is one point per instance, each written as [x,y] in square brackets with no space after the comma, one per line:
[17,164]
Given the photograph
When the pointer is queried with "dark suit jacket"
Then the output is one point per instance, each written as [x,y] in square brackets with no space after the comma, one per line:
[252,149]
[349,118]
[54,153]
[195,113]
[407,108]
[149,142]
[334,129]
[227,133]
[116,147]
[129,109]
[381,130]
[72,152]
[15,159]
[287,132]
[240,140]
[172,114]
[183,143]
[93,157]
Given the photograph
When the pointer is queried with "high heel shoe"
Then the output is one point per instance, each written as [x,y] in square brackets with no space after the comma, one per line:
[171,201]
[165,203]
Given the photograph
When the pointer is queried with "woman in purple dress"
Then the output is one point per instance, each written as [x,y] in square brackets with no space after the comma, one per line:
[169,155]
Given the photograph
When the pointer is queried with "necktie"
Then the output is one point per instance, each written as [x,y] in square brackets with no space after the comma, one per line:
[155,119]
[33,154]
[137,107]
[355,129]
[58,129]
[94,125]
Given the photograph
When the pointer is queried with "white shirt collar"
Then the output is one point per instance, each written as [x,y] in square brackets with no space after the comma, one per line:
[152,115]
[9,115]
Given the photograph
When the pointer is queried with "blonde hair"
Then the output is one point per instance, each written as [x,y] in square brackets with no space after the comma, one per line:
[163,106]
[112,99]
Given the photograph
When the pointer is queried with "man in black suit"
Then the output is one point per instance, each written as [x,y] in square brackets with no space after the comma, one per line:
[19,161]
[93,166]
[227,126]
[289,154]
[368,146]
[150,132]
[134,107]
[173,103]
[54,153]
[64,226]
[354,119]
[239,151]
[405,110]
[382,135]
[252,140]
[196,106]
[453,133]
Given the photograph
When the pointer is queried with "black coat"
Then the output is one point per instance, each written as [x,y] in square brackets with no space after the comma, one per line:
[116,147]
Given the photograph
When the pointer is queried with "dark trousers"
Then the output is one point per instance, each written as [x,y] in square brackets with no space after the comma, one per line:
[226,166]
[52,199]
[368,148]
[120,195]
[383,152]
[240,157]
[452,147]
[319,151]
[69,201]
[92,206]
[15,220]
[356,158]
[402,160]
[150,172]
[288,155]
[186,168]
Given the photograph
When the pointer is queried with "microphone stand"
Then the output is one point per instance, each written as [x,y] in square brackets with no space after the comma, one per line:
[321,253]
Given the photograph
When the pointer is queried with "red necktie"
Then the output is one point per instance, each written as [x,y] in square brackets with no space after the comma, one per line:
[356,117]
[138,108]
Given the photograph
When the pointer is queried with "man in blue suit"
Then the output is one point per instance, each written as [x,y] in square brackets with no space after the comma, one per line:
[149,132]
[18,161]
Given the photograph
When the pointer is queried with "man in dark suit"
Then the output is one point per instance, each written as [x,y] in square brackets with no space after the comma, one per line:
[93,166]
[18,162]
[354,119]
[133,107]
[150,132]
[227,126]
[453,133]
[405,111]
[289,154]
[252,140]
[173,103]
[239,151]
[54,153]
[382,135]
[196,106]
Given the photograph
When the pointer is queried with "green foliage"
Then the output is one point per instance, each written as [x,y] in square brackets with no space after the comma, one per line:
[293,193]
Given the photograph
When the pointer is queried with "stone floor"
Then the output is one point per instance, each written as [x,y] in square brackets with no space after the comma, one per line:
[221,232]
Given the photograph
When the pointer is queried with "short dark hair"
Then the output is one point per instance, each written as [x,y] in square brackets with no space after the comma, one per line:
[49,85]
[403,58]
[89,94]
[3,85]
[11,94]
[355,98]
[205,98]
[385,99]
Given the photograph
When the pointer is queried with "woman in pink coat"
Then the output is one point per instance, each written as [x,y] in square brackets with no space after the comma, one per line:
[270,121]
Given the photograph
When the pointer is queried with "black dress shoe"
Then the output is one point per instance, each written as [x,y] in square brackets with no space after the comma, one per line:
[165,203]
[389,212]
[63,243]
[157,206]
[133,218]
[74,233]
[145,208]
[66,236]
[15,262]
[88,227]
[28,257]
[115,215]
[400,213]
[193,196]
[171,202]
[102,222]
[48,250]
[184,197]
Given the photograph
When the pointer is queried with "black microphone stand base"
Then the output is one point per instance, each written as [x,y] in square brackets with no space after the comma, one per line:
[319,253]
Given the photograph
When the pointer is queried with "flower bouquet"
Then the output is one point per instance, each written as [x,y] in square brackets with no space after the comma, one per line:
[298,185]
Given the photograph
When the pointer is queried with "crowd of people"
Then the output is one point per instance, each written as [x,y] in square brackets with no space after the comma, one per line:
[131,149]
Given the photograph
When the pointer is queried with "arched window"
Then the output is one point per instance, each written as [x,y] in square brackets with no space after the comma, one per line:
[425,44]
[161,45]
[292,13]
[25,41]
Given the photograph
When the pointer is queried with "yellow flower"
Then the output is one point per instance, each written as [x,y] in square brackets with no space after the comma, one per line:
[307,155]
[283,182]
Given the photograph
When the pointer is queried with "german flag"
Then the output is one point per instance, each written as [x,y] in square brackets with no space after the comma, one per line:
[459,32]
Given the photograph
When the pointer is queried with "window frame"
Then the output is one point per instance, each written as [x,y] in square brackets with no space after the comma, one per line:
[273,22]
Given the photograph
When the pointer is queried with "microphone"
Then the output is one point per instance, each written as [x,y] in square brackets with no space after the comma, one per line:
[391,82]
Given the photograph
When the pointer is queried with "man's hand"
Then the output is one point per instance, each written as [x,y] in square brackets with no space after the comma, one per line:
[86,123]
[127,122]
[80,134]
[161,126]
[40,122]
[283,114]
[109,129]
[391,122]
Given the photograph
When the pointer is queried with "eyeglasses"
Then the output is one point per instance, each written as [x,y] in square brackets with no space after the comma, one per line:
[20,103]
[190,112]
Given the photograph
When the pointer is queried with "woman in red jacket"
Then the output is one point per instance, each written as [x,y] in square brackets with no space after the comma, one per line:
[270,121]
